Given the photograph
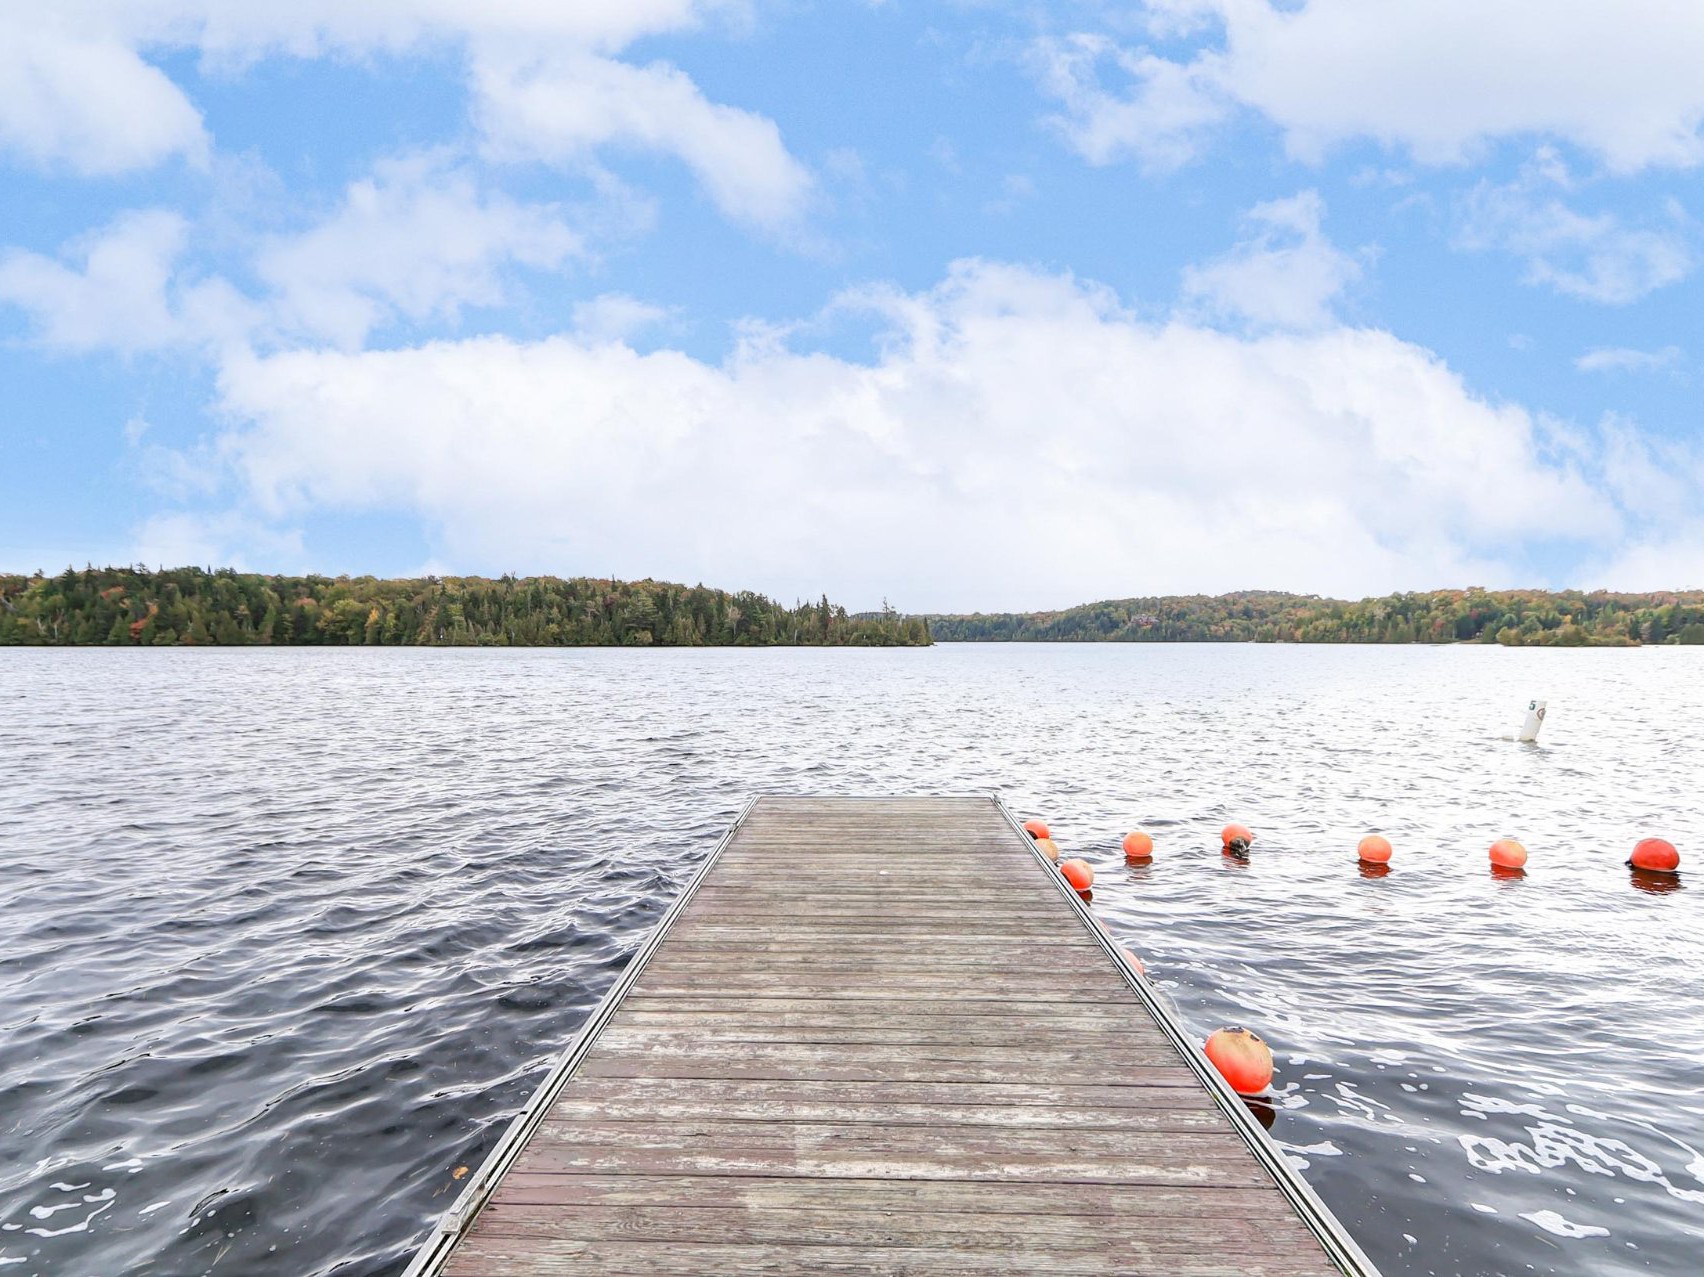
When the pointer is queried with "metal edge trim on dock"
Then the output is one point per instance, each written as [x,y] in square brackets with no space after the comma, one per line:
[433,1253]
[1339,1246]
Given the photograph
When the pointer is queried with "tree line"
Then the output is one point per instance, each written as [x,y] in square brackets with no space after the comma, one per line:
[1514,618]
[133,606]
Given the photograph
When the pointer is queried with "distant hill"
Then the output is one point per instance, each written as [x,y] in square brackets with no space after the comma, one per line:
[133,607]
[1516,618]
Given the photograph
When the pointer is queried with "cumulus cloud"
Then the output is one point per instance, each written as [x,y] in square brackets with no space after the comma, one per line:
[118,288]
[82,99]
[1661,478]
[560,108]
[615,317]
[223,539]
[1161,119]
[544,74]
[940,472]
[1593,256]
[1439,78]
[413,240]
[1622,359]
[1285,274]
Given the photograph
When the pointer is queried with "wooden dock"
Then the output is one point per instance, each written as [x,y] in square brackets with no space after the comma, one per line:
[882,1036]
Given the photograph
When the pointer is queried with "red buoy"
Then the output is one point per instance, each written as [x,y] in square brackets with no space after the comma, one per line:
[1655,855]
[1138,846]
[1374,849]
[1242,1059]
[1236,839]
[1506,853]
[1036,829]
[1048,848]
[1134,961]
[1078,874]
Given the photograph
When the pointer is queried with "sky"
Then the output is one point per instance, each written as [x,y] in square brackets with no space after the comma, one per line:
[964,306]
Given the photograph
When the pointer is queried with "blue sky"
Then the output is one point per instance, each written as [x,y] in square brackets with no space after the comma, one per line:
[972,305]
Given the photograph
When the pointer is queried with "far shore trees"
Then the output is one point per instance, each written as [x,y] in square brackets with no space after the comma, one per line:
[136,607]
[1514,618]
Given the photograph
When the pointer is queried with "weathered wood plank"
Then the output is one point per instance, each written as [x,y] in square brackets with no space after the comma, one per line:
[1181,1114]
[907,1226]
[829,1064]
[965,1197]
[551,1257]
[909,1031]
[1038,1018]
[878,1040]
[1166,1087]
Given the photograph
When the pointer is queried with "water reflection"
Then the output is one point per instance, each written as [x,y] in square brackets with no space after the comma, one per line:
[1265,1112]
[277,963]
[1654,882]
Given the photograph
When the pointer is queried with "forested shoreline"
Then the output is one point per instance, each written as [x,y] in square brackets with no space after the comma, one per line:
[1514,618]
[194,606]
[134,607]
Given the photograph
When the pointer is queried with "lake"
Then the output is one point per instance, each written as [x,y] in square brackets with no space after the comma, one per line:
[290,933]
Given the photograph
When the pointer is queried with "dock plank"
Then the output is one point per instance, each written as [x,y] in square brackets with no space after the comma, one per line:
[878,1038]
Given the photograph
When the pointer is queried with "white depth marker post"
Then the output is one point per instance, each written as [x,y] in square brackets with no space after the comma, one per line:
[1534,721]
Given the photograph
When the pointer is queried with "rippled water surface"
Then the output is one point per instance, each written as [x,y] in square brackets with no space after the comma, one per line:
[288,935]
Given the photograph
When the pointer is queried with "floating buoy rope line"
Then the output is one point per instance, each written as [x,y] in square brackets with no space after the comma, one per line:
[1650,855]
[1240,1055]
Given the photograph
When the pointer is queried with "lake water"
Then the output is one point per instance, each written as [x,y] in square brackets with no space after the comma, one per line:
[289,934]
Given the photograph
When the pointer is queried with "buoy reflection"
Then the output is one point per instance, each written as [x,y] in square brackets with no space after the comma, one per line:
[1264,1110]
[1654,881]
[1373,869]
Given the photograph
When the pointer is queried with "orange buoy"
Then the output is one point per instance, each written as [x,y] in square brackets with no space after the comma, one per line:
[1374,849]
[1138,846]
[1242,1059]
[1048,848]
[1655,855]
[1036,829]
[1078,874]
[1134,961]
[1506,853]
[1236,839]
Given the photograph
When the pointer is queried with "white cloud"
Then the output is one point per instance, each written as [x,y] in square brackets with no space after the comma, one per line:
[615,317]
[1592,256]
[414,240]
[222,540]
[561,108]
[1621,359]
[85,100]
[1020,440]
[1661,478]
[74,88]
[236,30]
[1286,274]
[1440,78]
[1162,121]
[119,289]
